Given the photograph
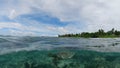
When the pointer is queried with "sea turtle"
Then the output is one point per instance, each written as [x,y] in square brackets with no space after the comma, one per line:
[61,59]
[65,55]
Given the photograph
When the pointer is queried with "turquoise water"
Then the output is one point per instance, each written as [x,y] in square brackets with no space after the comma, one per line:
[42,59]
[52,52]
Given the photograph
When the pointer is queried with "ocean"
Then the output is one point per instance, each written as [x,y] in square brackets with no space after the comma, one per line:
[58,52]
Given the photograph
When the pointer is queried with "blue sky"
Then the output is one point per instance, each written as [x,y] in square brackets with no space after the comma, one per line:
[53,17]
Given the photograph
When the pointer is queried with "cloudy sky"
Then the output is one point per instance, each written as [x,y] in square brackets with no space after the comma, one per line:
[53,17]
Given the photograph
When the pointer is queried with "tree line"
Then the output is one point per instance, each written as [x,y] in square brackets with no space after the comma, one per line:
[99,34]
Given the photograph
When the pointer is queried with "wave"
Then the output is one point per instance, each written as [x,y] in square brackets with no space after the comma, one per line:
[10,44]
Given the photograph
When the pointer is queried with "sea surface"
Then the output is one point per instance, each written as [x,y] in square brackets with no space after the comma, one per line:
[58,52]
[13,43]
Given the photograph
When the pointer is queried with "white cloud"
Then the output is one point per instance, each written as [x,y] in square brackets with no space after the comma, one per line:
[12,14]
[21,33]
[18,29]
[10,25]
[94,14]
[13,8]
[23,30]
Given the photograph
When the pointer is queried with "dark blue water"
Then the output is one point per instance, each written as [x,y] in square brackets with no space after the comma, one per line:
[10,44]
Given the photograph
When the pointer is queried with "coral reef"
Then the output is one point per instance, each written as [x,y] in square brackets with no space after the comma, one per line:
[60,59]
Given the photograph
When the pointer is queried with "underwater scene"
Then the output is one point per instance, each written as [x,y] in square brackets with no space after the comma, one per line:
[55,52]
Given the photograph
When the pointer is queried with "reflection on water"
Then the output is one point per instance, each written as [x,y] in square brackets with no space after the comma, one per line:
[11,44]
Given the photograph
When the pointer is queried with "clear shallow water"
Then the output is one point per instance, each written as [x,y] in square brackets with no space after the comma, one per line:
[11,44]
[53,52]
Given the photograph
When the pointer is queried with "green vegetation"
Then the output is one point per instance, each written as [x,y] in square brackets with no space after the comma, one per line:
[60,59]
[99,34]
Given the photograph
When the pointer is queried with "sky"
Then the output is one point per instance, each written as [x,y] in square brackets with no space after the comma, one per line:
[53,17]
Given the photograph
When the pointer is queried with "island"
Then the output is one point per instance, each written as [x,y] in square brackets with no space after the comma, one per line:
[99,34]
